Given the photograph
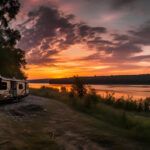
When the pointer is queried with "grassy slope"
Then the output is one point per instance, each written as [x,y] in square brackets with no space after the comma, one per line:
[115,127]
[25,133]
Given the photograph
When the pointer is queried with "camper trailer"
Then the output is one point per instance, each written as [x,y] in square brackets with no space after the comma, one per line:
[13,88]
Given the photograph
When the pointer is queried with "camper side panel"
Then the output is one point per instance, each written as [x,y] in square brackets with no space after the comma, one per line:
[4,89]
[20,89]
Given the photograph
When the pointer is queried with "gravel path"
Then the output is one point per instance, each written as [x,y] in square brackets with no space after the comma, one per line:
[29,100]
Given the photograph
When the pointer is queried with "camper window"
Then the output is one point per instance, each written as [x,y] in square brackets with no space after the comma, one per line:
[3,86]
[20,86]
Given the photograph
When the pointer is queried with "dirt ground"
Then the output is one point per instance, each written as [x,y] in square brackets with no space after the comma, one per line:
[64,125]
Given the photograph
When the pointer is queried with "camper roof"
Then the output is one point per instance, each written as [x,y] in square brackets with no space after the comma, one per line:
[12,79]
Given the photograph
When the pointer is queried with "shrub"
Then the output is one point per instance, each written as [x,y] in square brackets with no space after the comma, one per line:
[91,99]
[147,104]
[109,98]
[140,106]
[71,93]
[63,89]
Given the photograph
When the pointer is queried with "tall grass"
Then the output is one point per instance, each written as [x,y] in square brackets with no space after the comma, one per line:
[141,105]
[136,125]
[104,108]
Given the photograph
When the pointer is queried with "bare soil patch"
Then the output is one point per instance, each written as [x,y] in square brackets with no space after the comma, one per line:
[45,120]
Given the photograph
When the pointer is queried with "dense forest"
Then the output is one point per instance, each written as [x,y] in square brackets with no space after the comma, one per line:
[12,59]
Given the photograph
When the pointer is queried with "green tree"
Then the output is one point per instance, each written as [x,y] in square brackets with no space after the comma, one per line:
[12,60]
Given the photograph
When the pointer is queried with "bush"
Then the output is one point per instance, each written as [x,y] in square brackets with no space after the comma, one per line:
[63,89]
[91,98]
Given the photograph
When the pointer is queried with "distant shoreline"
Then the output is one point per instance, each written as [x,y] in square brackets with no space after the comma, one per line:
[102,80]
[87,83]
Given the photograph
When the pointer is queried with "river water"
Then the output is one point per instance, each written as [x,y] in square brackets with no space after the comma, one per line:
[135,91]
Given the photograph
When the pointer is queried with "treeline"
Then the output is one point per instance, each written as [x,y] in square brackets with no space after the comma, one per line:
[12,59]
[118,79]
[11,63]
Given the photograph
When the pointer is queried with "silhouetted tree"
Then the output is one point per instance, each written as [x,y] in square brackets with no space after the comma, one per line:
[12,60]
[78,87]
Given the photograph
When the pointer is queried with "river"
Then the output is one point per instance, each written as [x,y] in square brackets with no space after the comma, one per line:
[135,91]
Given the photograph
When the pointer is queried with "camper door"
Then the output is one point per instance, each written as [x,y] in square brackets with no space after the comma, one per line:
[13,88]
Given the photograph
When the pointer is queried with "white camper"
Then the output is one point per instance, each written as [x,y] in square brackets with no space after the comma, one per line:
[13,88]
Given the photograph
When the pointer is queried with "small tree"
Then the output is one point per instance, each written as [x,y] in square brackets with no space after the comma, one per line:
[78,87]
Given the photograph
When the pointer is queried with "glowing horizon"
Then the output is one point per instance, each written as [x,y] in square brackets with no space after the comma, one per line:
[65,38]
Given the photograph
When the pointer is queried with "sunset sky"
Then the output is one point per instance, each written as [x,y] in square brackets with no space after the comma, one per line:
[63,38]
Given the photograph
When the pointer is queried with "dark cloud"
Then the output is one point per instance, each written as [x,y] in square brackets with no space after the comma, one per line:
[99,41]
[44,58]
[45,27]
[139,58]
[49,28]
[123,47]
[118,4]
[118,37]
[54,27]
[122,51]
[138,36]
[85,30]
[49,31]
[141,34]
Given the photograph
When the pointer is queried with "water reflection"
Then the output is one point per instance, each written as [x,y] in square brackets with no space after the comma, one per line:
[135,91]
